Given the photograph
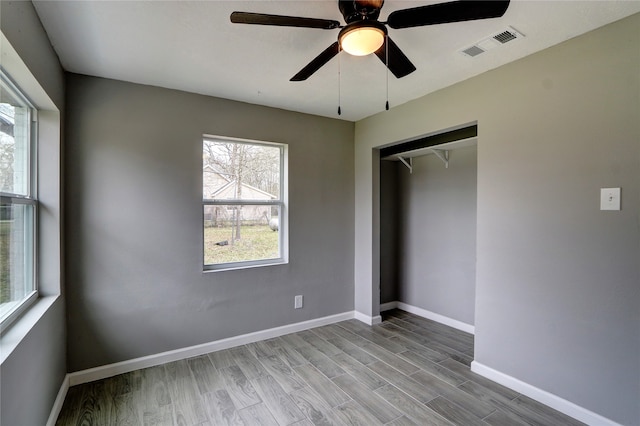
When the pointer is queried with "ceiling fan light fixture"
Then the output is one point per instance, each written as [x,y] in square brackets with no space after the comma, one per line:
[363,34]
[362,38]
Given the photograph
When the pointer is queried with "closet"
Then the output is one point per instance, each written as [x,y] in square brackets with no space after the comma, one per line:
[428,191]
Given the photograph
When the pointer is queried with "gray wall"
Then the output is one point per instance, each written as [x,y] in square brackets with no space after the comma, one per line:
[33,374]
[557,294]
[437,271]
[33,371]
[21,25]
[134,221]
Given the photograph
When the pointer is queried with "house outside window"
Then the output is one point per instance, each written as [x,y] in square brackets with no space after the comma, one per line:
[244,203]
[18,202]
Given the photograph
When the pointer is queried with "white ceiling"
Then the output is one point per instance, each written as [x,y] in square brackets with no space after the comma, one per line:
[192,46]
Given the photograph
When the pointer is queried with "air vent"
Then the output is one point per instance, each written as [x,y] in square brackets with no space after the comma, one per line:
[473,51]
[492,42]
[505,36]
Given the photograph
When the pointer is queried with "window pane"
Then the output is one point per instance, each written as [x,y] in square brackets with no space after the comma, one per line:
[14,144]
[240,171]
[16,255]
[234,233]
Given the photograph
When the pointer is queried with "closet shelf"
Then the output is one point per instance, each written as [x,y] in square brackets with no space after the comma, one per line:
[441,151]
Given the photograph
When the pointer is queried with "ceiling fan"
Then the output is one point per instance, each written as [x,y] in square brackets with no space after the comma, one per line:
[364,33]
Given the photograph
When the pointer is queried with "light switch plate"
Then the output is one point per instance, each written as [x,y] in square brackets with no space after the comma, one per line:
[609,198]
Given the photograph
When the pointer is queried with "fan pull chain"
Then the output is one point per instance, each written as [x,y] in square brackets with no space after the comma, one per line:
[339,110]
[386,106]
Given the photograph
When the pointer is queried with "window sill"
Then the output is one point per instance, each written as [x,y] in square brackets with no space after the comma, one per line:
[18,330]
[244,265]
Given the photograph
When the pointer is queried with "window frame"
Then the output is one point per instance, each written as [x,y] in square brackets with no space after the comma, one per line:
[30,199]
[281,202]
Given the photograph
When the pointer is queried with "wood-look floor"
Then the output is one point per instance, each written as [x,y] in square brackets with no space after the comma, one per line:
[405,371]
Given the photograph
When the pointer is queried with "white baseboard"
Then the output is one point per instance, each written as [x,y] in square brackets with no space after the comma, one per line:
[544,397]
[367,319]
[388,306]
[111,370]
[459,325]
[57,405]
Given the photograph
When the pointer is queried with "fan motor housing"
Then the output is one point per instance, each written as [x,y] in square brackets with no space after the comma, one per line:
[358,10]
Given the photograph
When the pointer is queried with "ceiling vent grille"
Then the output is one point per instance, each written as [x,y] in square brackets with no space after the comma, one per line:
[505,36]
[473,51]
[492,42]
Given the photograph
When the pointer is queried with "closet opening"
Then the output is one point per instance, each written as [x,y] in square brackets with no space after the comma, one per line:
[428,193]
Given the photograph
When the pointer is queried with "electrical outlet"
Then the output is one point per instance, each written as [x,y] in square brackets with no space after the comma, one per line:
[297,304]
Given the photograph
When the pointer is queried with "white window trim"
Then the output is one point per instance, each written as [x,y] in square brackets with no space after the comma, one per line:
[282,202]
[13,310]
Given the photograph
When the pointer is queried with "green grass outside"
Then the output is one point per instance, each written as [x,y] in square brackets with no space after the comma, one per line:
[257,242]
[5,278]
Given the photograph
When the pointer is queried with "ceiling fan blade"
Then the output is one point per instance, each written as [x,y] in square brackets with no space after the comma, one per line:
[317,63]
[398,64]
[441,13]
[282,21]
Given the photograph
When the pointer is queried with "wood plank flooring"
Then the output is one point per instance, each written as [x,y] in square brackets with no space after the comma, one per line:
[406,371]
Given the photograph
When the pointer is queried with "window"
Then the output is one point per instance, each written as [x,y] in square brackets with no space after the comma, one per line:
[18,203]
[244,203]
